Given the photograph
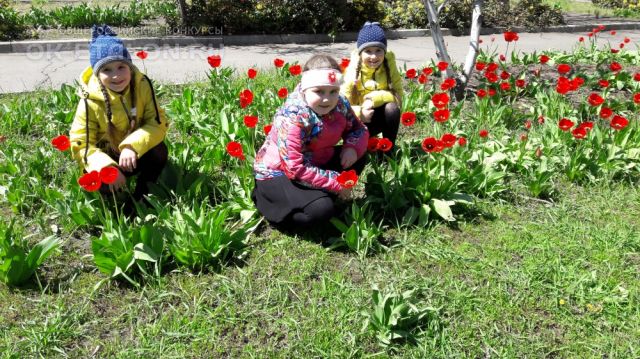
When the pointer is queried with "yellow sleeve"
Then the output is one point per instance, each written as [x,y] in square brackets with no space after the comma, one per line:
[84,137]
[396,78]
[153,128]
[380,97]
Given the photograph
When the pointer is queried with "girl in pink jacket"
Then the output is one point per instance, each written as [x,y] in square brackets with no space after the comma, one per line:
[297,166]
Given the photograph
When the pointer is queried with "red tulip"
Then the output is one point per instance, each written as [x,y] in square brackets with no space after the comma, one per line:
[427,71]
[234,149]
[344,63]
[278,62]
[615,67]
[283,92]
[250,121]
[483,133]
[605,112]
[565,124]
[520,83]
[636,98]
[347,179]
[252,73]
[448,140]
[619,122]
[504,75]
[430,145]
[544,59]
[214,60]
[603,83]
[295,70]
[372,145]
[90,181]
[595,100]
[411,73]
[480,66]
[61,143]
[385,144]
[440,100]
[267,129]
[442,65]
[505,86]
[462,141]
[510,36]
[448,84]
[408,118]
[481,93]
[422,79]
[109,174]
[246,98]
[579,133]
[441,115]
[563,69]
[142,54]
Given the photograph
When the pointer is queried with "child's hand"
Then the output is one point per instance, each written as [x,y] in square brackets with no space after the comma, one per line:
[348,157]
[128,159]
[367,104]
[367,113]
[345,194]
[120,182]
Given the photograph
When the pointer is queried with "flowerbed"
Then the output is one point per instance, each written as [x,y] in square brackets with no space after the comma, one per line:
[528,126]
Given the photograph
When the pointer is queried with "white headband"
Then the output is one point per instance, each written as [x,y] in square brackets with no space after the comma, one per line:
[320,77]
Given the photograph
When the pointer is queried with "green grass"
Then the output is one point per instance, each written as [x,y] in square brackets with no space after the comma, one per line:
[516,277]
[518,280]
[582,7]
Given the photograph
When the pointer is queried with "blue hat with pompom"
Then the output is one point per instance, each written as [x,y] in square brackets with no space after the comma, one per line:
[105,47]
[371,34]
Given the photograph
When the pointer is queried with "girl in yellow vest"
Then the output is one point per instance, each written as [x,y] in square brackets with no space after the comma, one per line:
[373,84]
[118,122]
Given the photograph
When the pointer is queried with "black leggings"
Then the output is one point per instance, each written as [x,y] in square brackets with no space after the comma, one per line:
[148,169]
[385,120]
[290,205]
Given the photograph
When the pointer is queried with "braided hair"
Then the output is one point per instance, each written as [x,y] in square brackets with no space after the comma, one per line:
[385,64]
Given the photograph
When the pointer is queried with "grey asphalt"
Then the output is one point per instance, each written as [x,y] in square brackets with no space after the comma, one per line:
[39,68]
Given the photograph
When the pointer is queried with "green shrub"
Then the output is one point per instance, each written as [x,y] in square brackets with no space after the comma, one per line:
[611,4]
[361,11]
[83,15]
[524,13]
[405,14]
[12,24]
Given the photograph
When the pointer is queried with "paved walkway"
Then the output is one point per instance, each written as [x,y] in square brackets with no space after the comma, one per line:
[39,68]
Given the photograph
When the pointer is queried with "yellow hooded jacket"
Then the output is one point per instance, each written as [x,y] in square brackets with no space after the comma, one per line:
[372,83]
[143,129]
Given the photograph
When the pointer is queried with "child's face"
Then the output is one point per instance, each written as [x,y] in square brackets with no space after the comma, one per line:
[115,75]
[322,99]
[372,56]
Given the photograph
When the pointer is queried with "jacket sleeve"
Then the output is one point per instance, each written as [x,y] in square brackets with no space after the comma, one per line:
[290,145]
[395,77]
[152,128]
[356,134]
[84,139]
[380,97]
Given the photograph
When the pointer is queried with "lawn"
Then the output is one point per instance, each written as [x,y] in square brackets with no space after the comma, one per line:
[504,246]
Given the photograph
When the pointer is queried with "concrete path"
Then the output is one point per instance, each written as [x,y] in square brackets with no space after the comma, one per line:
[39,68]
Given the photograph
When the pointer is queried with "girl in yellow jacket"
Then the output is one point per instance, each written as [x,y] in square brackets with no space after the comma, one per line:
[373,84]
[118,121]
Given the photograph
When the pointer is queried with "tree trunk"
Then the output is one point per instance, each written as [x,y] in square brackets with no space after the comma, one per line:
[470,60]
[443,55]
[436,34]
[182,8]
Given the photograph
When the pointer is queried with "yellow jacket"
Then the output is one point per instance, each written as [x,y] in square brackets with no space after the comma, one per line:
[89,140]
[372,83]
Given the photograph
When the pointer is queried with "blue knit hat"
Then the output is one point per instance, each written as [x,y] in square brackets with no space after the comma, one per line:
[105,47]
[371,34]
